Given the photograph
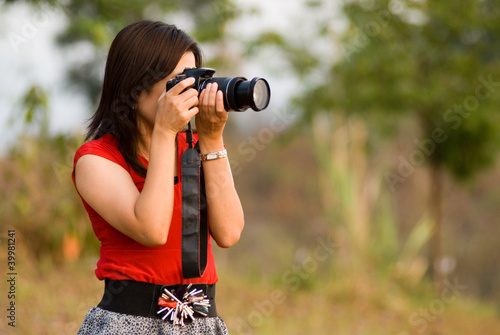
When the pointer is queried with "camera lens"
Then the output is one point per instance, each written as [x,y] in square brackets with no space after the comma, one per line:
[261,94]
[254,94]
[241,94]
[238,92]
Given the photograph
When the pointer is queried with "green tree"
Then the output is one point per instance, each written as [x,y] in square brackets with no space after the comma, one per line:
[439,64]
[431,61]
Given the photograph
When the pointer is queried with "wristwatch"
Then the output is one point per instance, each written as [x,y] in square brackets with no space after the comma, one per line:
[213,155]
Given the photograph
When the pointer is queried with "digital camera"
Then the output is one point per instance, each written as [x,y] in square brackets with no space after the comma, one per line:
[239,93]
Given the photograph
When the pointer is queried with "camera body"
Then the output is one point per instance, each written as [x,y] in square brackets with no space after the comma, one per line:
[238,92]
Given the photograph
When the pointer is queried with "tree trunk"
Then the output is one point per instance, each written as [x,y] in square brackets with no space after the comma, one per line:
[436,213]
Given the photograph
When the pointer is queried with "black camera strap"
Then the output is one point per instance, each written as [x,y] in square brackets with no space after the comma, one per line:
[194,212]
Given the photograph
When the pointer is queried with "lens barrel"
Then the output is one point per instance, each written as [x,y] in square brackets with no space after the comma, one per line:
[241,94]
[238,92]
[254,94]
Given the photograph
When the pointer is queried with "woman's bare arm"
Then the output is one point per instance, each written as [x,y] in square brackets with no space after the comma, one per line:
[225,212]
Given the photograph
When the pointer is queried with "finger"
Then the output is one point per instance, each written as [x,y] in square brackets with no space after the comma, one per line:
[193,111]
[182,85]
[206,97]
[219,104]
[189,93]
[191,102]
[187,115]
[213,96]
[201,98]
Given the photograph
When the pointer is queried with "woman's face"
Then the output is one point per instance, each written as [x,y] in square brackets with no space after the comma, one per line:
[148,101]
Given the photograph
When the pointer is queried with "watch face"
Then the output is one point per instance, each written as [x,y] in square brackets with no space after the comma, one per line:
[211,156]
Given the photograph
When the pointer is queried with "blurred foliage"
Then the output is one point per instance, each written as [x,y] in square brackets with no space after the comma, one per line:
[402,59]
[37,201]
[426,59]
[36,197]
[33,112]
[437,64]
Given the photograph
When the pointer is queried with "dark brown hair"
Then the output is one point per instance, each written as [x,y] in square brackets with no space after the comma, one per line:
[141,55]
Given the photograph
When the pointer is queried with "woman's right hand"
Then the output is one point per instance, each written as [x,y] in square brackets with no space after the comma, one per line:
[177,106]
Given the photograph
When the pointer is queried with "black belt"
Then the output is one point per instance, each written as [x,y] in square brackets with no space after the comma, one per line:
[141,299]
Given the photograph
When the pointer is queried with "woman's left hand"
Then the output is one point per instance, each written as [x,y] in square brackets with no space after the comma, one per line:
[212,116]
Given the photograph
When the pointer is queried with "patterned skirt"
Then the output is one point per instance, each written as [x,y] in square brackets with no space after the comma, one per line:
[103,322]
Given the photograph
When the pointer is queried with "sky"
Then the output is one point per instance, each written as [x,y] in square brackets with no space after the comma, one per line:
[28,54]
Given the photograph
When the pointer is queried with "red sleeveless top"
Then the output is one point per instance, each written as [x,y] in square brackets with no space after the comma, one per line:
[122,258]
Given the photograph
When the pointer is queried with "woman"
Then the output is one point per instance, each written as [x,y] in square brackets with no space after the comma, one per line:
[128,178]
